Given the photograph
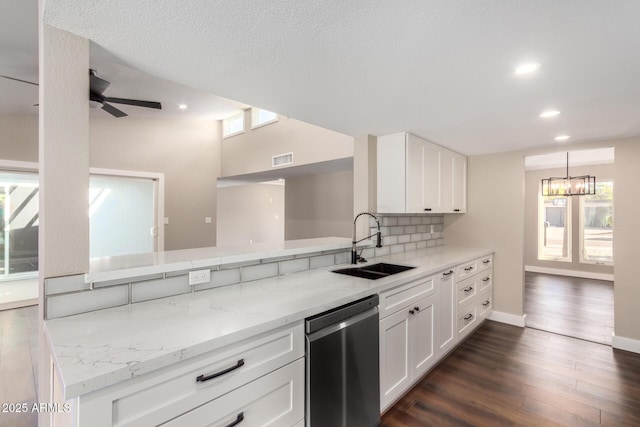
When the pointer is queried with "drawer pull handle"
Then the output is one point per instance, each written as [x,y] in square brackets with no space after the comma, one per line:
[416,308]
[411,312]
[469,289]
[456,210]
[202,378]
[486,279]
[486,303]
[486,261]
[238,420]
[449,273]
[427,209]
[468,317]
[468,269]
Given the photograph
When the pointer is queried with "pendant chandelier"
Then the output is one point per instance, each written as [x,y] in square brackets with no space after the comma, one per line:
[569,185]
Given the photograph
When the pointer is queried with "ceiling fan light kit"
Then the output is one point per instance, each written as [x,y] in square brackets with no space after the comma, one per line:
[569,185]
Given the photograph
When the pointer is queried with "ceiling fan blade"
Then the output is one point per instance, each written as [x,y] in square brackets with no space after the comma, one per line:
[113,110]
[96,84]
[147,104]
[19,80]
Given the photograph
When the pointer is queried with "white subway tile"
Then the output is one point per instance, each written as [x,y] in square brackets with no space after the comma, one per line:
[390,221]
[221,278]
[382,251]
[410,229]
[421,229]
[143,291]
[416,237]
[343,257]
[426,220]
[321,261]
[85,301]
[368,253]
[431,243]
[394,231]
[415,220]
[404,238]
[410,247]
[390,240]
[60,285]
[426,236]
[257,272]
[288,267]
[397,249]
[404,220]
[421,244]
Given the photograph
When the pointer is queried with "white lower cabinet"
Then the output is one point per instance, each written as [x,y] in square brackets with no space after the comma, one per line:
[277,399]
[406,348]
[422,320]
[261,377]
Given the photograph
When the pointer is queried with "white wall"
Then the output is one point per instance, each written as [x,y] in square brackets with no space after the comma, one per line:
[252,151]
[252,213]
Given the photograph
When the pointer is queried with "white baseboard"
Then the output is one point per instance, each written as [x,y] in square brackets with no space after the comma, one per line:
[570,273]
[511,319]
[627,344]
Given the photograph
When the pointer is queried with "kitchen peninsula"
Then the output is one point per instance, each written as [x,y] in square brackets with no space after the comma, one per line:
[125,365]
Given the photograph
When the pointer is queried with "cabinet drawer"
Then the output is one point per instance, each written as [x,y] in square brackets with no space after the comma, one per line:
[466,270]
[485,263]
[467,319]
[485,304]
[467,290]
[277,399]
[178,390]
[485,281]
[404,295]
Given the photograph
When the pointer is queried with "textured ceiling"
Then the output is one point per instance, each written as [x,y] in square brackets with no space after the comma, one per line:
[440,69]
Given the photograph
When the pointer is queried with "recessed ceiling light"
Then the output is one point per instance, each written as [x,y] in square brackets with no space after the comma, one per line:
[549,113]
[561,138]
[182,106]
[528,68]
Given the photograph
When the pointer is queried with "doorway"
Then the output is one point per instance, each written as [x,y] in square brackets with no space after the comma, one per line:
[569,263]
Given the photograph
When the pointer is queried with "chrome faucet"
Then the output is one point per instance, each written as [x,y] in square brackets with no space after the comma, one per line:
[354,255]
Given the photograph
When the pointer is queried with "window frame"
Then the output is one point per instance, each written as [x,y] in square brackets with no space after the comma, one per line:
[581,258]
[255,113]
[226,123]
[568,225]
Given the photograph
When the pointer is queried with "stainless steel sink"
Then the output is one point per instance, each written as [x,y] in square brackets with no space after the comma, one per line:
[374,271]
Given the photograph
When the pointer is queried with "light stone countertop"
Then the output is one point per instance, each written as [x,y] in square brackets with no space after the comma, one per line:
[127,266]
[101,348]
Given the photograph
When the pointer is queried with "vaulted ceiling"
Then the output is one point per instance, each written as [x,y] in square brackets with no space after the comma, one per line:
[443,70]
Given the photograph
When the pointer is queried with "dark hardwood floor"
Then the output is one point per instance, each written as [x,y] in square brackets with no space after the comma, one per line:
[18,364]
[504,375]
[581,308]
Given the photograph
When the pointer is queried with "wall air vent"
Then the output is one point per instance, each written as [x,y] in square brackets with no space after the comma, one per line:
[282,160]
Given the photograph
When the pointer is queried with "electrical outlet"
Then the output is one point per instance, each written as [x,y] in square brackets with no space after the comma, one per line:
[199,276]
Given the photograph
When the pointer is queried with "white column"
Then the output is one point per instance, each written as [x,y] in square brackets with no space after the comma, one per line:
[364,180]
[64,170]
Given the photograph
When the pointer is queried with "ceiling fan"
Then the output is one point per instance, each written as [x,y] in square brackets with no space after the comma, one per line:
[97,86]
[22,81]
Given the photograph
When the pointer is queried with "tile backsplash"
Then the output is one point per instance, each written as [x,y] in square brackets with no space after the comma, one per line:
[402,233]
[66,296]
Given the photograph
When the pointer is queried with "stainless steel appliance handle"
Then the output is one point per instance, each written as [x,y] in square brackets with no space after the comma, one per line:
[341,325]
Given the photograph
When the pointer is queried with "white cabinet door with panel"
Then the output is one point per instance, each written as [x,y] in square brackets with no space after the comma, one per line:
[407,348]
[446,333]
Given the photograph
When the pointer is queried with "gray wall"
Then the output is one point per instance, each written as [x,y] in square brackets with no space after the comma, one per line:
[309,144]
[496,219]
[186,151]
[532,190]
[252,213]
[319,206]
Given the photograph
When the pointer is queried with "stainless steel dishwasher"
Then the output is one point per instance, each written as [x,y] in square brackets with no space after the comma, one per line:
[342,360]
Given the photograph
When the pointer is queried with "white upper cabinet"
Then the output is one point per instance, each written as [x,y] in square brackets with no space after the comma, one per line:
[417,176]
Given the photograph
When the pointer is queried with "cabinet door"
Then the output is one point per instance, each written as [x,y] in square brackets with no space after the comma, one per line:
[395,349]
[423,325]
[446,333]
[459,183]
[415,175]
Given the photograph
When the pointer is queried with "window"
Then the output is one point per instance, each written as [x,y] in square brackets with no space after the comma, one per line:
[260,117]
[554,228]
[596,225]
[233,125]
[18,224]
